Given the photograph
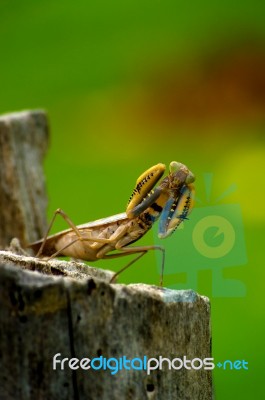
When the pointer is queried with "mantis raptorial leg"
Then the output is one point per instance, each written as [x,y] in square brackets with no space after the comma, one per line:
[144,186]
[171,201]
[147,202]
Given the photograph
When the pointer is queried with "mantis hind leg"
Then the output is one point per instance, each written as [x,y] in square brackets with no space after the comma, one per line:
[69,222]
[75,229]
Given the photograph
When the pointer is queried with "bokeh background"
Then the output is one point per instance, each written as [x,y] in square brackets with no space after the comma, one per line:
[128,84]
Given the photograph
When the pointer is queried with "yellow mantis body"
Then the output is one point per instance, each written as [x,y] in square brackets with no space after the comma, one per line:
[172,200]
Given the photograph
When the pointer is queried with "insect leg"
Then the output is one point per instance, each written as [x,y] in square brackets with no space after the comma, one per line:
[144,185]
[127,265]
[112,240]
[63,248]
[124,251]
[176,210]
[150,199]
[69,222]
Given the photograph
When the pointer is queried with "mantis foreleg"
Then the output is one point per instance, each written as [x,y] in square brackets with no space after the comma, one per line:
[176,211]
[150,199]
[144,186]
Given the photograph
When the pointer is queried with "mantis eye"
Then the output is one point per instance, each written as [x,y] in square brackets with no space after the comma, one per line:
[175,166]
[190,178]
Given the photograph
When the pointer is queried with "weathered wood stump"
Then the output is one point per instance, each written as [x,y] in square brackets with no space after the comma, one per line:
[23,144]
[120,342]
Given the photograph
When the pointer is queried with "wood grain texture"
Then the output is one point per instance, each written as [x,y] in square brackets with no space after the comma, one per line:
[23,144]
[87,317]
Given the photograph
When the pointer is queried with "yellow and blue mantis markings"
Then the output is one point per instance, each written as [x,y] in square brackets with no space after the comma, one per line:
[172,201]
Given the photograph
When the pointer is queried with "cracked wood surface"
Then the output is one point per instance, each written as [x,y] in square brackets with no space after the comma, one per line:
[23,144]
[87,317]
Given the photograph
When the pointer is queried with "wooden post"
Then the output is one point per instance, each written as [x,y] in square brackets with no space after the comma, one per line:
[23,144]
[65,310]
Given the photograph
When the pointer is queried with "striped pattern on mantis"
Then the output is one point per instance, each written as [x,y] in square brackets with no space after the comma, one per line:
[171,201]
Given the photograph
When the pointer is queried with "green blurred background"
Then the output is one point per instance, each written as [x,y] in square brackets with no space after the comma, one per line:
[128,84]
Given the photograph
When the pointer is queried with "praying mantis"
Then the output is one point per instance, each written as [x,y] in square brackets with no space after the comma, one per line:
[171,201]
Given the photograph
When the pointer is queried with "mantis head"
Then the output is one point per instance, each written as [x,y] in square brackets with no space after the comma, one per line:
[180,174]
